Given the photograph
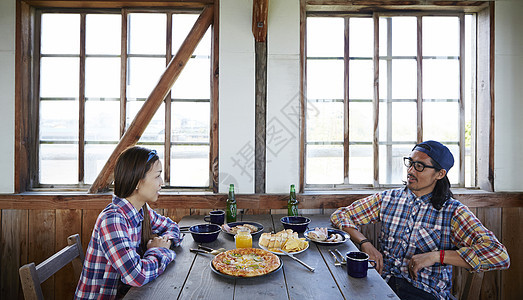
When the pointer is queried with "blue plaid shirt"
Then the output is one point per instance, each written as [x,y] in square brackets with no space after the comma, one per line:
[411,225]
[113,253]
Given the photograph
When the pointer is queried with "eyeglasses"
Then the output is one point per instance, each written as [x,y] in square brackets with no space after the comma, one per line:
[151,155]
[418,166]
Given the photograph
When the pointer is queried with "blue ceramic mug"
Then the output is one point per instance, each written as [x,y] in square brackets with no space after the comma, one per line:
[358,264]
[215,217]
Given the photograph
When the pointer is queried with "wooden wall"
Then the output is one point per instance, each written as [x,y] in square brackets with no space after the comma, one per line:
[33,234]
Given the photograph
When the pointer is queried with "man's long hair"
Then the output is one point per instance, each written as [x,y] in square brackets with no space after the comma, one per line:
[441,192]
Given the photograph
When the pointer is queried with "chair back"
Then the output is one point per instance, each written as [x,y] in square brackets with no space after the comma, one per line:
[32,276]
[472,287]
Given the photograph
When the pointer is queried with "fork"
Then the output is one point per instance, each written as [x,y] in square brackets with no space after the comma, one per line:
[343,260]
[336,261]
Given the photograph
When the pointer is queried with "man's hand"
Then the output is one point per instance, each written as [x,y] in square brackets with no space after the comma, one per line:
[162,241]
[374,254]
[420,261]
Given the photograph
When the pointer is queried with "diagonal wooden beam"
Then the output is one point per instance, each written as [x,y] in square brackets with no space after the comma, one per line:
[260,10]
[153,102]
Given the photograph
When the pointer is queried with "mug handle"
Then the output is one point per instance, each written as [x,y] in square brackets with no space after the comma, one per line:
[207,218]
[373,264]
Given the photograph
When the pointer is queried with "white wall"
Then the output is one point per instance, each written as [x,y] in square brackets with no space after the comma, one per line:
[7,94]
[508,164]
[237,101]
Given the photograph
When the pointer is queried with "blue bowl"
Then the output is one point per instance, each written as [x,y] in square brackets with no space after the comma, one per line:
[205,233]
[296,223]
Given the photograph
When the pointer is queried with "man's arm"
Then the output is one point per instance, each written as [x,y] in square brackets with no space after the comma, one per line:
[367,247]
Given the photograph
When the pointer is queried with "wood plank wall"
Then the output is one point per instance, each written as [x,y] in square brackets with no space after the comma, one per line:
[32,235]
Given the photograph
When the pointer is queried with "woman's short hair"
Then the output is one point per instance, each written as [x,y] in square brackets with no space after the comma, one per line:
[131,167]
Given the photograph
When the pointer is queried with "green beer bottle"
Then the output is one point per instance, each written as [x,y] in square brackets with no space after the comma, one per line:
[292,204]
[231,205]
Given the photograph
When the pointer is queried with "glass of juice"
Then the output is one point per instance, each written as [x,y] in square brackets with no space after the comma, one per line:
[243,239]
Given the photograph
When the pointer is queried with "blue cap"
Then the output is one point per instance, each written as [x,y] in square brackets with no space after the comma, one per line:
[438,152]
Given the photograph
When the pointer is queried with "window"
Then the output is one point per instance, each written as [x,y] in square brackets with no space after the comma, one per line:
[90,91]
[358,128]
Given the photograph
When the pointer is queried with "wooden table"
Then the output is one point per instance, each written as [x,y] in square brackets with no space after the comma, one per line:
[189,276]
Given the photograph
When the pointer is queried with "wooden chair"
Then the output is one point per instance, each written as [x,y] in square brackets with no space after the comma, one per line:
[32,276]
[472,287]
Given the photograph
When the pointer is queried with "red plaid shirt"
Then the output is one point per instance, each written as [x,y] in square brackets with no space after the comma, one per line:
[113,253]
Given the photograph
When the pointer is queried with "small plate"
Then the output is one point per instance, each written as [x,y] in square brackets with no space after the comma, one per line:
[236,277]
[281,253]
[329,231]
[233,224]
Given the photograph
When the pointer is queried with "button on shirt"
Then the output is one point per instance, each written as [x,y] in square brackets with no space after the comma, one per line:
[112,255]
[411,225]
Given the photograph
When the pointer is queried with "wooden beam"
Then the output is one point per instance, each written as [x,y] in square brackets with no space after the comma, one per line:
[309,200]
[153,102]
[260,139]
[260,10]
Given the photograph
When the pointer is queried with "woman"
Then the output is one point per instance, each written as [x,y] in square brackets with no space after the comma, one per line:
[130,242]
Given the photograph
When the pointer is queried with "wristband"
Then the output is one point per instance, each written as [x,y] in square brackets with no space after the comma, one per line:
[363,241]
[441,256]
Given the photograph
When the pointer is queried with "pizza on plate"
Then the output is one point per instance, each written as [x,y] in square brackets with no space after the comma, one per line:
[246,262]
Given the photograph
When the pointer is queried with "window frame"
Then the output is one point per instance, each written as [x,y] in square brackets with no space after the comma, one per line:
[482,156]
[26,180]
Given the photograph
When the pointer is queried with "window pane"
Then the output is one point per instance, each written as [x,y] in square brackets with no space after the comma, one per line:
[454,172]
[325,79]
[361,79]
[404,79]
[324,164]
[102,77]
[392,170]
[58,164]
[440,79]
[182,24]
[361,121]
[59,77]
[361,164]
[143,74]
[60,34]
[102,120]
[147,33]
[361,37]
[441,121]
[102,34]
[155,131]
[59,120]
[327,124]
[190,166]
[320,44]
[400,121]
[95,158]
[193,82]
[440,36]
[404,36]
[190,122]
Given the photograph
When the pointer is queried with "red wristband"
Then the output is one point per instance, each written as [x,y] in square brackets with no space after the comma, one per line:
[441,256]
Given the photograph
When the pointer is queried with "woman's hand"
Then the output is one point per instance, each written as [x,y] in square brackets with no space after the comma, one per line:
[374,254]
[162,241]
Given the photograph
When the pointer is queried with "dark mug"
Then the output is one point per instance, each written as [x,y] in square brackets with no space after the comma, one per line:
[358,264]
[215,217]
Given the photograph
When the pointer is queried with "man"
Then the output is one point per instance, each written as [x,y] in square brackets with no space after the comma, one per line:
[425,231]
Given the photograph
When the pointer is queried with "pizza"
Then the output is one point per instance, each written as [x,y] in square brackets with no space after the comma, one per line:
[246,262]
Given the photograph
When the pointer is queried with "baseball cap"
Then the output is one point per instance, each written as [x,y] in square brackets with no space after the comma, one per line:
[438,152]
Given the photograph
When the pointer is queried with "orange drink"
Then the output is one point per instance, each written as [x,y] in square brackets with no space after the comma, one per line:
[243,239]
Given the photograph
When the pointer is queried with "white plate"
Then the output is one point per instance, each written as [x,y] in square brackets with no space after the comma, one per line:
[281,253]
[330,231]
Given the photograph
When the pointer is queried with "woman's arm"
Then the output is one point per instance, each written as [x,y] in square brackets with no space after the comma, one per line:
[164,226]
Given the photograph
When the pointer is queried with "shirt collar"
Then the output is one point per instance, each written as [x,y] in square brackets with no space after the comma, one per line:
[424,198]
[130,211]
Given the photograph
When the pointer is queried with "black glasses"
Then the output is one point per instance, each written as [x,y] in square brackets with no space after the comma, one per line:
[418,165]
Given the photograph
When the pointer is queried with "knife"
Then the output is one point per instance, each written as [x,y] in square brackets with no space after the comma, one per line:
[296,259]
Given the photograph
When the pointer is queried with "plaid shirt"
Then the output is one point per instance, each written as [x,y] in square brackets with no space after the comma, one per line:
[112,256]
[410,225]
